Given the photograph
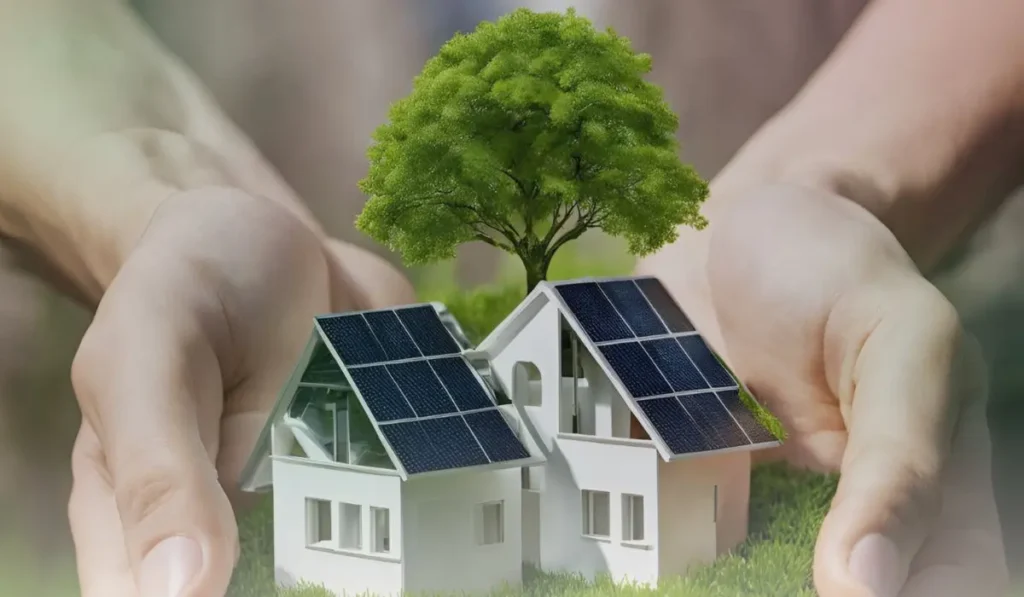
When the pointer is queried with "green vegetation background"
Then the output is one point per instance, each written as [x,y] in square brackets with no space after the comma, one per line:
[786,506]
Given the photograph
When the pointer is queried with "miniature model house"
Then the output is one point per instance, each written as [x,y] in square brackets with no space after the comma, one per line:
[593,431]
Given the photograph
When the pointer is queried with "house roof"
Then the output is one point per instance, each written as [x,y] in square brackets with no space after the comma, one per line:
[678,389]
[429,409]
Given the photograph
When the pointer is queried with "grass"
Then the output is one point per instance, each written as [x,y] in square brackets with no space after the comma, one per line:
[787,506]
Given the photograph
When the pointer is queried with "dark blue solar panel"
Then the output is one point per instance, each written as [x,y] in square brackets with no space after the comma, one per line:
[594,312]
[636,370]
[670,358]
[758,433]
[496,436]
[422,389]
[665,305]
[462,385]
[427,331]
[352,339]
[709,365]
[382,396]
[392,335]
[674,426]
[453,442]
[412,446]
[633,307]
[713,420]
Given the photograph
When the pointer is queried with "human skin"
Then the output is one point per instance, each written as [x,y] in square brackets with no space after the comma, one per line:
[121,177]
[127,180]
[810,281]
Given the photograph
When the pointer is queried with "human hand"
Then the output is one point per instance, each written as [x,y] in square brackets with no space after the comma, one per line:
[823,315]
[188,350]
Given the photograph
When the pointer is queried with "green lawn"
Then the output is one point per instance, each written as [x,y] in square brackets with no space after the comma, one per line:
[787,507]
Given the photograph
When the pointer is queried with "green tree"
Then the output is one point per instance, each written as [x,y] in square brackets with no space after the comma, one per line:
[524,134]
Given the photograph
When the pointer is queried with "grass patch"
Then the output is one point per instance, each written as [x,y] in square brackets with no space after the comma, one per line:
[787,508]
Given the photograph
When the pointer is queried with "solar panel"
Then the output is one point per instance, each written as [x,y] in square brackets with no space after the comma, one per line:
[635,368]
[630,303]
[391,335]
[708,364]
[495,436]
[416,384]
[462,385]
[352,339]
[664,304]
[666,368]
[594,311]
[427,331]
[673,363]
[382,396]
[757,432]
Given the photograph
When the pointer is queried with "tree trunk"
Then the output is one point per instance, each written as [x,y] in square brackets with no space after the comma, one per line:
[536,271]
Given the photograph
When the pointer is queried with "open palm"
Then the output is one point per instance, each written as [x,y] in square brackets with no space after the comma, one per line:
[823,315]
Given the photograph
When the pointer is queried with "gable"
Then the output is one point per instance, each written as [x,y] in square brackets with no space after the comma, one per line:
[674,384]
[390,389]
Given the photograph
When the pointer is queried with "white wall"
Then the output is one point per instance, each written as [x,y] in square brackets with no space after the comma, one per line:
[296,480]
[442,553]
[691,532]
[597,464]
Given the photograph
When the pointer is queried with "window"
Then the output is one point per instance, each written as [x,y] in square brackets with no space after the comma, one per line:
[633,518]
[380,530]
[318,522]
[596,513]
[351,526]
[491,523]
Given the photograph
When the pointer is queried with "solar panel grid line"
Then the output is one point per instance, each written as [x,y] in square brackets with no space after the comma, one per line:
[593,312]
[445,415]
[710,434]
[391,341]
[401,361]
[687,393]
[640,318]
[659,298]
[651,305]
[476,439]
[657,337]
[717,396]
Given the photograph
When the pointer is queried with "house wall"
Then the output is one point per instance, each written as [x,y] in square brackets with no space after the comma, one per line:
[339,570]
[441,527]
[690,530]
[618,467]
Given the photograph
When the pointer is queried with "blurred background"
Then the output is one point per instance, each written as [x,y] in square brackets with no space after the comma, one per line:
[309,81]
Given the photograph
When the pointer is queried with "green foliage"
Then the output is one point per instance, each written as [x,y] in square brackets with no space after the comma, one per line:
[524,134]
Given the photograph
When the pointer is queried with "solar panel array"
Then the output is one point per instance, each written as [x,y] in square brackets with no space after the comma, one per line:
[675,379]
[430,405]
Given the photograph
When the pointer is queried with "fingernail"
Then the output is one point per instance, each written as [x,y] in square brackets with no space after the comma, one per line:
[874,562]
[169,567]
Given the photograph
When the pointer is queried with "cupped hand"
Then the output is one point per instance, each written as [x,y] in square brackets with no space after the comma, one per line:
[176,374]
[823,315]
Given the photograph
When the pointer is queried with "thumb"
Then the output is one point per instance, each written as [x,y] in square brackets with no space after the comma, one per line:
[146,379]
[898,386]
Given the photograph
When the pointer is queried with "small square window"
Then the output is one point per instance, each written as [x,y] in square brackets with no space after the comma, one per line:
[491,523]
[633,517]
[351,526]
[596,513]
[318,522]
[380,531]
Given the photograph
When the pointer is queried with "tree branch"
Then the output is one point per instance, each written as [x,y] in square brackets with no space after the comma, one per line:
[480,236]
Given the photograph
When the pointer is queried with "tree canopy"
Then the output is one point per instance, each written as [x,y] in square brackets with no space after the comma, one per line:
[524,134]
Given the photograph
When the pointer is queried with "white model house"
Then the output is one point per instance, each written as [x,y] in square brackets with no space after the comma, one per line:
[592,431]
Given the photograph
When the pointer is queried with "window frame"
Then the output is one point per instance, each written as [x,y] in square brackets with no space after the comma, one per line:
[345,511]
[315,510]
[629,513]
[482,523]
[375,530]
[590,515]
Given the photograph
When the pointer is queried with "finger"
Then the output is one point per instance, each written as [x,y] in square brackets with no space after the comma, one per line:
[964,554]
[143,372]
[103,568]
[361,279]
[898,384]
